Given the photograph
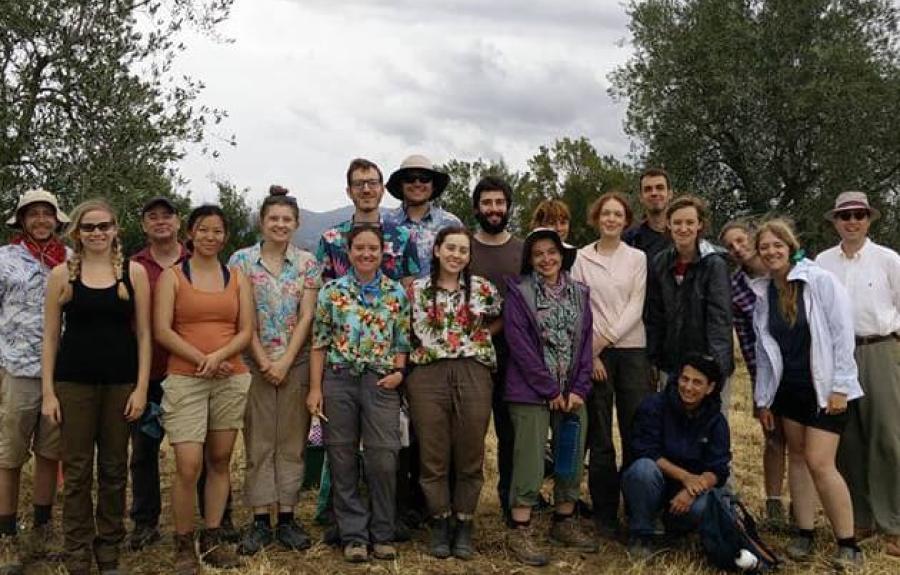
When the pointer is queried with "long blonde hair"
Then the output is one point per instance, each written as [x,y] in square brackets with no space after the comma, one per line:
[74,235]
[787,296]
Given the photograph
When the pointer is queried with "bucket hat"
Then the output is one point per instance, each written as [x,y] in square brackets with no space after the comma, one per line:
[421,163]
[36,196]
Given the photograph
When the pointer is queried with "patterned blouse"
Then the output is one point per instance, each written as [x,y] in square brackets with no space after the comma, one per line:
[278,298]
[362,327]
[400,257]
[449,330]
[423,231]
[23,285]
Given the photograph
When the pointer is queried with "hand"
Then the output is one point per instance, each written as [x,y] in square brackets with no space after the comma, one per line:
[573,402]
[391,380]
[766,419]
[135,405]
[209,366]
[694,484]
[50,408]
[226,369]
[837,403]
[681,503]
[558,403]
[599,371]
[600,343]
[314,402]
[277,371]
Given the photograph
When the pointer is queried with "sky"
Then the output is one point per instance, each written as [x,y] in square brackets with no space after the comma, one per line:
[311,84]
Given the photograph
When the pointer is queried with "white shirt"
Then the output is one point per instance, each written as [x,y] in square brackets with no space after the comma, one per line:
[872,278]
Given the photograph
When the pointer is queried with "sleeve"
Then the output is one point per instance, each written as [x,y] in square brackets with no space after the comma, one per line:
[646,430]
[400,343]
[324,260]
[631,315]
[322,324]
[517,330]
[312,274]
[654,317]
[719,324]
[838,311]
[893,276]
[764,385]
[581,383]
[491,298]
[718,453]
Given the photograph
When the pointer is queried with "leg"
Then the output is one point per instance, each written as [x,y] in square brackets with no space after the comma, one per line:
[217,454]
[503,428]
[469,427]
[821,448]
[530,425]
[146,503]
[227,407]
[260,421]
[603,477]
[112,473]
[380,431]
[643,486]
[803,497]
[689,521]
[773,459]
[188,462]
[290,436]
[632,385]
[430,405]
[566,490]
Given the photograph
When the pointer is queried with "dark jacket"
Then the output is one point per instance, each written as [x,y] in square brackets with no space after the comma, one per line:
[527,378]
[692,317]
[698,443]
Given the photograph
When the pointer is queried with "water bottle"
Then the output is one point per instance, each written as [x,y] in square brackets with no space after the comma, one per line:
[565,460]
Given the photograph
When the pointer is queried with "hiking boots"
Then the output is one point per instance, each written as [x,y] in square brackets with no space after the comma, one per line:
[640,548]
[800,548]
[776,517]
[214,551]
[257,536]
[292,536]
[143,536]
[462,540]
[848,558]
[186,562]
[227,531]
[356,552]
[521,543]
[384,551]
[567,533]
[440,538]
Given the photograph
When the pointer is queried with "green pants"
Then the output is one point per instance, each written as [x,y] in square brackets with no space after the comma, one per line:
[531,424]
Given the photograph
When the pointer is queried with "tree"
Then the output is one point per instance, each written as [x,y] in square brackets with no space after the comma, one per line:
[239,217]
[769,105]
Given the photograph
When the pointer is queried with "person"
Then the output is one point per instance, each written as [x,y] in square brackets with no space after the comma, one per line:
[552,214]
[688,303]
[737,237]
[806,374]
[25,265]
[450,388]
[651,235]
[548,326]
[496,255]
[682,449]
[358,357]
[95,379]
[204,318]
[616,274]
[285,282]
[869,451]
[160,224]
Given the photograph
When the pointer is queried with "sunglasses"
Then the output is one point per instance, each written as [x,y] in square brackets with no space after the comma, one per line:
[413,177]
[100,226]
[853,214]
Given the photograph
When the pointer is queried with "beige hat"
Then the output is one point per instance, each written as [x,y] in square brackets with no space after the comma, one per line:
[852,201]
[34,197]
[417,162]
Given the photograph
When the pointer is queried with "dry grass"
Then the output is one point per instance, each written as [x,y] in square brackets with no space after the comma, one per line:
[492,557]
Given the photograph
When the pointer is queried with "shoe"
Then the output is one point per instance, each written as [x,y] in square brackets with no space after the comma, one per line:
[521,543]
[228,533]
[848,558]
[607,528]
[355,553]
[384,551]
[214,551]
[186,562]
[143,536]
[584,510]
[257,536]
[34,543]
[292,536]
[776,518]
[440,538]
[402,532]
[332,536]
[640,548]
[567,533]
[462,540]
[892,545]
[800,548]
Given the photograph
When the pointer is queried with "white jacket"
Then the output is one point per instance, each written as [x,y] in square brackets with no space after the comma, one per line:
[830,318]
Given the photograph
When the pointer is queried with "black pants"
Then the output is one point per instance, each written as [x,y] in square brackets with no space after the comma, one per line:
[503,427]
[144,467]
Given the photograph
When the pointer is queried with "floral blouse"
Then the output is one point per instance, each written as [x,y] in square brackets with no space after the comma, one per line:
[449,330]
[400,257]
[278,298]
[362,327]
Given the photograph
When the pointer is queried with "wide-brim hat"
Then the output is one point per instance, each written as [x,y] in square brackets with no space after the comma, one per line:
[568,252]
[37,196]
[847,201]
[417,162]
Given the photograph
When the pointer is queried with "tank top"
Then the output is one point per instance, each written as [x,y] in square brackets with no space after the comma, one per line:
[794,341]
[206,320]
[98,343]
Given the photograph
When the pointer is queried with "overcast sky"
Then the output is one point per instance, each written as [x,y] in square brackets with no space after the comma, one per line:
[311,84]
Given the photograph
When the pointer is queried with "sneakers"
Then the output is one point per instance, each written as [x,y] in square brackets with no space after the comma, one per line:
[143,536]
[462,540]
[521,543]
[800,548]
[257,536]
[439,545]
[186,562]
[640,548]
[356,553]
[567,533]
[292,536]
[384,551]
[214,551]
[848,558]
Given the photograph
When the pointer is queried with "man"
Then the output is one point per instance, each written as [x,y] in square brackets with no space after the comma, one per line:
[160,223]
[655,194]
[496,255]
[417,184]
[25,265]
[869,451]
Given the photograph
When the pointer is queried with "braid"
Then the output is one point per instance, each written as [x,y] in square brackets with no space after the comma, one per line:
[74,265]
[118,263]
[467,282]
[435,273]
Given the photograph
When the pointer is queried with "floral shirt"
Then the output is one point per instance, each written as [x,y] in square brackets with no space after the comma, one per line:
[400,258]
[278,298]
[360,333]
[423,231]
[449,330]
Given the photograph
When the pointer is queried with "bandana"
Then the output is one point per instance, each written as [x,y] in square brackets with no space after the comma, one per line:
[51,254]
[371,291]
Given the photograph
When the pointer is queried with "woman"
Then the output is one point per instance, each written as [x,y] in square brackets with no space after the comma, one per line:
[95,380]
[552,214]
[285,281]
[806,375]
[450,389]
[204,317]
[357,362]
[547,321]
[688,305]
[617,277]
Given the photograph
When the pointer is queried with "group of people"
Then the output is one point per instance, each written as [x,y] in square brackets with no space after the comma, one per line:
[405,334]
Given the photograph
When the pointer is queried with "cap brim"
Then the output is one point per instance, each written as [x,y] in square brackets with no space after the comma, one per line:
[439,183]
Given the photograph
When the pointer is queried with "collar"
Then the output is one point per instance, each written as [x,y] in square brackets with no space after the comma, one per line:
[145,255]
[287,253]
[858,253]
[428,215]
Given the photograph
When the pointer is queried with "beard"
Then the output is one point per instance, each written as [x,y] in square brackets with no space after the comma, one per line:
[490,228]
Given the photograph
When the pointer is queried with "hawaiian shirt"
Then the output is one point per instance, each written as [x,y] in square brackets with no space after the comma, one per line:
[278,298]
[423,231]
[23,285]
[450,329]
[743,300]
[362,332]
[400,258]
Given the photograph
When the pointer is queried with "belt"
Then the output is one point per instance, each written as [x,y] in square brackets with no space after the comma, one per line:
[867,339]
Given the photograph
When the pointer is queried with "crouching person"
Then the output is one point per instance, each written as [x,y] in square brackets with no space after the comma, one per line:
[682,449]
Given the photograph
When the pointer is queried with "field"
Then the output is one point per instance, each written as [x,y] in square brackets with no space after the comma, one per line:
[492,557]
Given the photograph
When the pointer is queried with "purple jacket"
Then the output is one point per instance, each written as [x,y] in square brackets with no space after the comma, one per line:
[527,378]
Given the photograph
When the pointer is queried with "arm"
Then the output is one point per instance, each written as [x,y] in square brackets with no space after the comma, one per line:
[164,315]
[647,430]
[316,371]
[400,343]
[634,309]
[52,309]
[522,350]
[299,336]
[719,327]
[137,401]
[654,316]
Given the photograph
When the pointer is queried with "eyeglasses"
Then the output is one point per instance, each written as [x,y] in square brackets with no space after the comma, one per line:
[858,215]
[100,226]
[373,184]
[413,177]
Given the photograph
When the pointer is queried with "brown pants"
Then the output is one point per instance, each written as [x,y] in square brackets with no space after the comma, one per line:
[450,403]
[276,424]
[94,415]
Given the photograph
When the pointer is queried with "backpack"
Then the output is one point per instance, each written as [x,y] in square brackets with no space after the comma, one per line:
[730,538]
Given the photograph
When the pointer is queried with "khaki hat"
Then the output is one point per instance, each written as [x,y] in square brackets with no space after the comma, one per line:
[852,201]
[417,162]
[37,196]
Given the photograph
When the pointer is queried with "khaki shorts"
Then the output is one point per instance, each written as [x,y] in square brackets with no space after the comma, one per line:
[192,406]
[22,427]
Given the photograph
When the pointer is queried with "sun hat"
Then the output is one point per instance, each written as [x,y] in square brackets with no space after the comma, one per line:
[852,201]
[35,196]
[568,252]
[417,162]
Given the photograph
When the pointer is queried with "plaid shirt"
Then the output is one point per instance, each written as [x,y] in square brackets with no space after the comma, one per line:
[742,302]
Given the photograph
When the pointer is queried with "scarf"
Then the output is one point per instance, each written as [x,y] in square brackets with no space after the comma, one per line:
[51,253]
[369,292]
[557,313]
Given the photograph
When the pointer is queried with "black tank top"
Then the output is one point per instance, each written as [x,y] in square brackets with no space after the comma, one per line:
[98,342]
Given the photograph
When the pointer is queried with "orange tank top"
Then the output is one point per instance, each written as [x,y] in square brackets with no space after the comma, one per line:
[206,320]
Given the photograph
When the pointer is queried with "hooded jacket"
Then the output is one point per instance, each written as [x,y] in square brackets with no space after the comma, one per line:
[692,317]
